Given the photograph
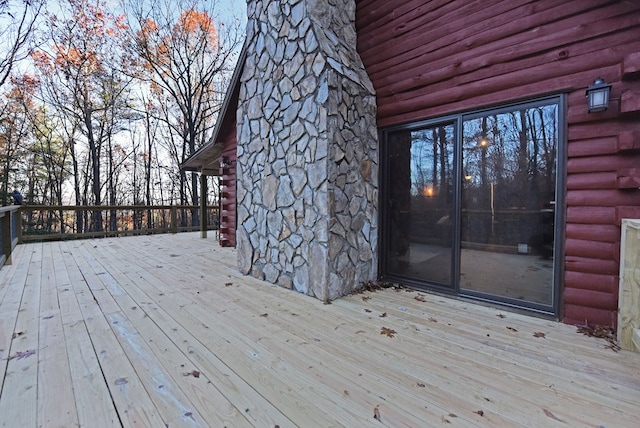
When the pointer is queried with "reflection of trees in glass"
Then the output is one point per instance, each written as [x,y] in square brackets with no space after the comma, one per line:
[515,152]
[431,161]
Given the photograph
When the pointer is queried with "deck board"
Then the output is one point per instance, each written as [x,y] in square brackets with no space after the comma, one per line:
[164,331]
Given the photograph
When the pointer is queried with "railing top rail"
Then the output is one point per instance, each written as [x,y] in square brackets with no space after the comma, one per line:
[9,208]
[106,207]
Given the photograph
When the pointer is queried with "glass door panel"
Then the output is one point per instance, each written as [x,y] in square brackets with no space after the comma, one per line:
[419,203]
[508,204]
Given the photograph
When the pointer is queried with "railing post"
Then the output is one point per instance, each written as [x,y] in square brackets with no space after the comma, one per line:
[18,225]
[203,205]
[5,226]
[174,219]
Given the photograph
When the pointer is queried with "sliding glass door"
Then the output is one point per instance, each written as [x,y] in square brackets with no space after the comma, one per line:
[469,204]
[420,171]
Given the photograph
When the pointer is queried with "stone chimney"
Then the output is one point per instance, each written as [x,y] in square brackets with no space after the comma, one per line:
[307,150]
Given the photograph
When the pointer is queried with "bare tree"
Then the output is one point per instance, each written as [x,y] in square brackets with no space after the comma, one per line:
[185,59]
[17,23]
[81,73]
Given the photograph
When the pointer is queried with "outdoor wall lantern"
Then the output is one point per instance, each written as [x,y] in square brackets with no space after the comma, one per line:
[598,96]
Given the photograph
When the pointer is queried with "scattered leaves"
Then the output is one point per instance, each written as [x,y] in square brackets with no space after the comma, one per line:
[511,328]
[551,415]
[264,315]
[453,415]
[432,319]
[420,298]
[501,316]
[374,286]
[48,317]
[539,334]
[387,331]
[228,284]
[479,412]
[421,385]
[367,310]
[376,413]
[20,355]
[366,298]
[17,334]
[383,315]
[445,420]
[602,332]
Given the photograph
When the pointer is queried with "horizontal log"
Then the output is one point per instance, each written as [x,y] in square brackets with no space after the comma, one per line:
[592,249]
[630,102]
[590,299]
[394,18]
[483,37]
[458,87]
[630,68]
[597,146]
[558,84]
[594,232]
[579,315]
[523,63]
[592,215]
[602,198]
[629,140]
[426,34]
[591,181]
[602,163]
[591,281]
[627,212]
[590,265]
[628,178]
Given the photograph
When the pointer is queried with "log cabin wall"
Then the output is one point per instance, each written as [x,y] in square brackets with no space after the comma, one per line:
[432,58]
[228,187]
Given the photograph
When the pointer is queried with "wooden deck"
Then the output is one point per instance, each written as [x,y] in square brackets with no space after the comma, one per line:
[162,331]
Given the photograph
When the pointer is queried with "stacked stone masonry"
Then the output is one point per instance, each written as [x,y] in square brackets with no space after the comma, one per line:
[307,150]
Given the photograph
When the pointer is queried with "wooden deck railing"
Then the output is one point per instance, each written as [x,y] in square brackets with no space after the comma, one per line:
[29,223]
[9,231]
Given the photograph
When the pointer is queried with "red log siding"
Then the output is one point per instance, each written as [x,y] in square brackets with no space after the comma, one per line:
[228,188]
[432,58]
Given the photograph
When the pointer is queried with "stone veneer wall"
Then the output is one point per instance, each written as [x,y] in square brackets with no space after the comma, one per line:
[307,150]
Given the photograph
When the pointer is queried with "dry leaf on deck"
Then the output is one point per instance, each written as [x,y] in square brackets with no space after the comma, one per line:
[194,373]
[501,316]
[511,328]
[228,284]
[20,355]
[432,319]
[365,298]
[389,332]
[264,315]
[383,315]
[367,310]
[551,415]
[420,298]
[376,413]
[539,334]
[479,412]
